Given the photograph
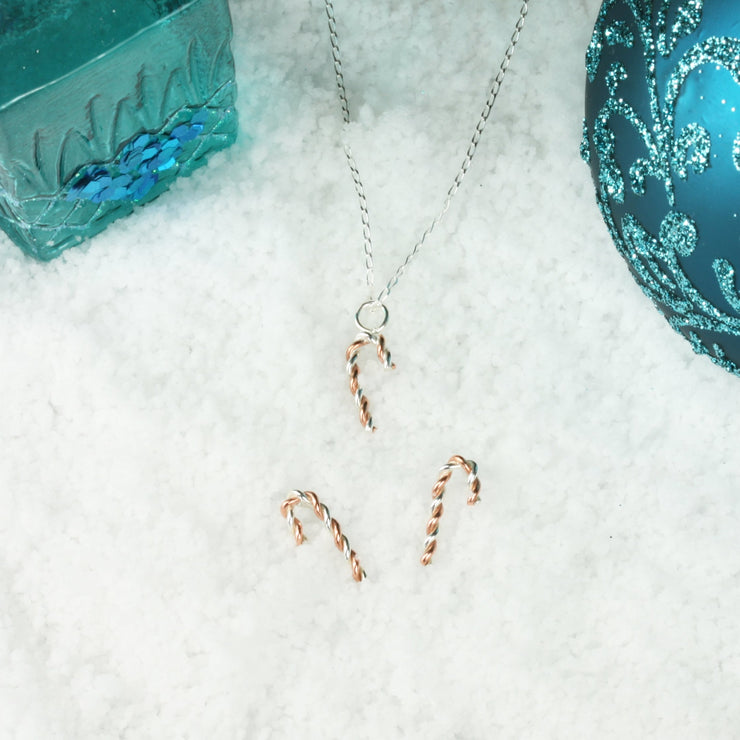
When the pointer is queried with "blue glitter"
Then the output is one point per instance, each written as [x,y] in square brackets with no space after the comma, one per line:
[688,18]
[695,139]
[670,157]
[725,273]
[610,174]
[719,52]
[678,233]
[586,145]
[619,34]
[616,74]
[610,34]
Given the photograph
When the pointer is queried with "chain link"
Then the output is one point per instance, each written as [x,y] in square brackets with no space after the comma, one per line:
[459,177]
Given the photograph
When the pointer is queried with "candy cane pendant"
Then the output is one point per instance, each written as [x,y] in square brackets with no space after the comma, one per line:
[353,371]
[368,335]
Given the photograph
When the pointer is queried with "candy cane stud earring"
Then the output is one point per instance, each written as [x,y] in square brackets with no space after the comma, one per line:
[309,498]
[456,461]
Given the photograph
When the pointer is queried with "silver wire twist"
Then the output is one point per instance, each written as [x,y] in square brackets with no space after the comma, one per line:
[459,177]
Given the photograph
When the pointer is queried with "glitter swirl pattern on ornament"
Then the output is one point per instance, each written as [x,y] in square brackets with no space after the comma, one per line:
[661,134]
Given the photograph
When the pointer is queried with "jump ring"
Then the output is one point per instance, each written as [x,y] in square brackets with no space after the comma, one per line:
[379,326]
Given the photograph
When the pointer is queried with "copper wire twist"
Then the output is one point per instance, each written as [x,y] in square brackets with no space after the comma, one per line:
[353,370]
[309,498]
[456,461]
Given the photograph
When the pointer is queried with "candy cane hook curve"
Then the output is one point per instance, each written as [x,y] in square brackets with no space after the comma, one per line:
[309,498]
[456,461]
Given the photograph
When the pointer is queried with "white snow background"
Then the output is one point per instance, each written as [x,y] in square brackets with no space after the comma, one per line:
[166,385]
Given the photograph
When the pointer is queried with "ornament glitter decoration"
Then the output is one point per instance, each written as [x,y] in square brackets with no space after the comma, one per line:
[662,138]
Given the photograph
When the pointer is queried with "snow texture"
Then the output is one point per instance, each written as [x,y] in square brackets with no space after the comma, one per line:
[167,384]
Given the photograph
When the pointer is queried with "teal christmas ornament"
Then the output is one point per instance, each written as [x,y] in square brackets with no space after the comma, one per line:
[662,137]
[103,104]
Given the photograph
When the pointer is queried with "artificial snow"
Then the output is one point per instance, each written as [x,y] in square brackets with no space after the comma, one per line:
[167,384]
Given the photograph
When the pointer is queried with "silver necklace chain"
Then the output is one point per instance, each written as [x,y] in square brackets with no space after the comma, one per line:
[472,147]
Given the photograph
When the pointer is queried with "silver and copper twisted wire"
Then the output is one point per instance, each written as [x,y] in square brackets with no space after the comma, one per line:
[309,498]
[456,461]
[353,370]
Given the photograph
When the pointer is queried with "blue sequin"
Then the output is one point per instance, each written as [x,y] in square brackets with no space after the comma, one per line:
[137,168]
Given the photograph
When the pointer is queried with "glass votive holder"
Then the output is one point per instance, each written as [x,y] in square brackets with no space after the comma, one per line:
[103,103]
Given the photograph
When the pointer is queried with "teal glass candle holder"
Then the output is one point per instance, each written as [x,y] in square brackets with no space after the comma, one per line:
[103,103]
